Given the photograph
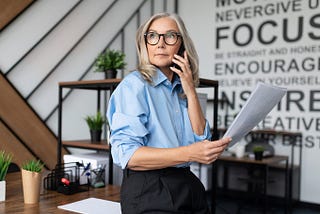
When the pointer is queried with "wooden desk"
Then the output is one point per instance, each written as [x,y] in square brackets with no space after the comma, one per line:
[265,161]
[288,138]
[264,165]
[49,200]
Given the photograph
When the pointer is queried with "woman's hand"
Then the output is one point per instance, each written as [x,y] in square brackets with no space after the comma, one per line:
[207,151]
[196,116]
[148,158]
[184,73]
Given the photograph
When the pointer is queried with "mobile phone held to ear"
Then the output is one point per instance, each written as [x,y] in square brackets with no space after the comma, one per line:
[180,53]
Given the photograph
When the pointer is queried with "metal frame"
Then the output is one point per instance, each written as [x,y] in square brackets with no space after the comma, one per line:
[98,85]
[205,83]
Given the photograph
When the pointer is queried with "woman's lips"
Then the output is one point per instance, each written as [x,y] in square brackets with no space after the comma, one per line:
[161,55]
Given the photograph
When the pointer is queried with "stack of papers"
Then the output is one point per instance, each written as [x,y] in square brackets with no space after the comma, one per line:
[261,101]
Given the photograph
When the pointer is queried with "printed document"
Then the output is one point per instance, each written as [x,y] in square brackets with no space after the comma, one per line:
[261,101]
[93,206]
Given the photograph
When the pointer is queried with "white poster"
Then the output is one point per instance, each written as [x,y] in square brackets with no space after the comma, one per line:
[277,42]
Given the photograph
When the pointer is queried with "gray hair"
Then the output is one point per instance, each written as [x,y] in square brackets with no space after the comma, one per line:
[148,70]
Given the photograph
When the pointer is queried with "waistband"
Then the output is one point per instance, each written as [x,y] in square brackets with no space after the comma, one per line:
[157,171]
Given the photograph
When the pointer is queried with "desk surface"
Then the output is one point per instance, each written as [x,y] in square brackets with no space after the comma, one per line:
[252,179]
[49,200]
[264,161]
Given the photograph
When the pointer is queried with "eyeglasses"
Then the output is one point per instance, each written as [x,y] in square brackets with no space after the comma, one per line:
[170,38]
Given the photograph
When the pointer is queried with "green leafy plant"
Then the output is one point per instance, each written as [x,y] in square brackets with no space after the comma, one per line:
[5,160]
[95,122]
[258,149]
[33,166]
[110,60]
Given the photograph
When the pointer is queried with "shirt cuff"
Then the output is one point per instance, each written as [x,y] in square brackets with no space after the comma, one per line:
[121,154]
[206,134]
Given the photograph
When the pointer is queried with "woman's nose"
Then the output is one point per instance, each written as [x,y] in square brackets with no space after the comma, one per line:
[161,42]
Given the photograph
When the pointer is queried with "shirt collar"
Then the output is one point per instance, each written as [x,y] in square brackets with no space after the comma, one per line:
[159,78]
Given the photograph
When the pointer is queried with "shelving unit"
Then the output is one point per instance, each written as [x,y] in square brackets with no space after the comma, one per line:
[292,171]
[110,85]
[97,85]
[86,144]
[205,83]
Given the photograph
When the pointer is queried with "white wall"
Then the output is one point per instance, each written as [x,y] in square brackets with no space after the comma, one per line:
[200,20]
[18,38]
[302,115]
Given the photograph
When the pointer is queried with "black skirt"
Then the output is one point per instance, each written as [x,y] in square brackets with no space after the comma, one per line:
[169,190]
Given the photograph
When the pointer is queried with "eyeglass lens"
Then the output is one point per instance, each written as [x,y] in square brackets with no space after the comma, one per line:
[170,38]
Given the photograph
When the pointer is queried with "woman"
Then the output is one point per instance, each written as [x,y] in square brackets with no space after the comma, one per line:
[157,126]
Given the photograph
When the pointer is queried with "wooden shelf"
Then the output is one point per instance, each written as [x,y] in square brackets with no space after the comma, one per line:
[264,161]
[97,85]
[104,84]
[87,144]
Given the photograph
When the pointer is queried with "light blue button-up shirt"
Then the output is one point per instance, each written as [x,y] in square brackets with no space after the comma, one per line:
[154,115]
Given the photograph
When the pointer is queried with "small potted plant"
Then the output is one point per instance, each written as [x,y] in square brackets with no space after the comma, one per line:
[31,180]
[5,160]
[258,152]
[95,123]
[109,62]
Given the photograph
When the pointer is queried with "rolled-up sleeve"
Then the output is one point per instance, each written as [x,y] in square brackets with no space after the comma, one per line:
[206,134]
[128,134]
[126,116]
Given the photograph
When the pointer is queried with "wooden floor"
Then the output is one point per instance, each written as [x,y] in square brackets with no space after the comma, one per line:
[239,204]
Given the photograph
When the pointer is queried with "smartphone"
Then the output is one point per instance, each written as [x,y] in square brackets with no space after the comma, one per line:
[180,53]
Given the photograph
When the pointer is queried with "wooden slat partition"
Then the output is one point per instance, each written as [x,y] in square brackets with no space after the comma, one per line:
[27,126]
[9,143]
[10,9]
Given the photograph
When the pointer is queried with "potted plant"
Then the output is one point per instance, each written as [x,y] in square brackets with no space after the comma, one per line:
[31,181]
[5,160]
[258,152]
[95,123]
[109,62]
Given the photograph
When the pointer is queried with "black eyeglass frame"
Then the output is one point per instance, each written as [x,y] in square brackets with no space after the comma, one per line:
[164,37]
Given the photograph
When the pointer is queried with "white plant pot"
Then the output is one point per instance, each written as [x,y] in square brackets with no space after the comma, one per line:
[2,191]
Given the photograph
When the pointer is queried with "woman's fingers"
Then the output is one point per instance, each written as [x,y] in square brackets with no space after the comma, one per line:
[182,62]
[222,142]
[184,73]
[209,151]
